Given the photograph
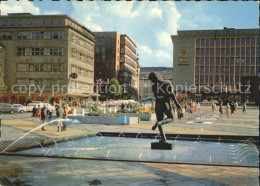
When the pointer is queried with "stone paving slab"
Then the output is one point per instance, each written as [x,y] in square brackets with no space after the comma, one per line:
[48,171]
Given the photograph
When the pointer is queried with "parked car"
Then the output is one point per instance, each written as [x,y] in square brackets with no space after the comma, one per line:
[29,107]
[9,108]
[20,107]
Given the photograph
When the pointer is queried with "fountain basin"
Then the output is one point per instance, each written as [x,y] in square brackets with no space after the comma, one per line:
[138,149]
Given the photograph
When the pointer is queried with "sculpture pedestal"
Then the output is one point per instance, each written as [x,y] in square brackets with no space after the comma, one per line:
[162,146]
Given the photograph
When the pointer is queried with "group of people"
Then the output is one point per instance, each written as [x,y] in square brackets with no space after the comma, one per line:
[46,113]
[230,108]
[191,107]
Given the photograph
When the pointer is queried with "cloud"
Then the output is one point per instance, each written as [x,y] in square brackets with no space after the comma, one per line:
[145,49]
[86,14]
[12,6]
[163,54]
[164,39]
[52,12]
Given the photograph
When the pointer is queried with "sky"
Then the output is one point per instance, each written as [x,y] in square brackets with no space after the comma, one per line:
[148,24]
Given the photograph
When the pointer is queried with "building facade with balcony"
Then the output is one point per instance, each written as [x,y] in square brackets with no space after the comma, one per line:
[42,51]
[129,67]
[209,59]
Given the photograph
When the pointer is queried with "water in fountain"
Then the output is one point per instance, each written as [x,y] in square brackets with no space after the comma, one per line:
[130,149]
[139,133]
[40,126]
[108,153]
[157,136]
[140,155]
[37,143]
[120,134]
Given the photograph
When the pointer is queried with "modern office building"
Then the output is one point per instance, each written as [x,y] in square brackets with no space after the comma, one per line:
[145,85]
[115,57]
[129,67]
[107,55]
[44,50]
[214,58]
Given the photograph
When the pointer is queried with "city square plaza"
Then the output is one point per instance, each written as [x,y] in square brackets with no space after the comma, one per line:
[18,169]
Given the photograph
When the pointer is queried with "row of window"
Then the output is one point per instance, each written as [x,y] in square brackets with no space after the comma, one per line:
[225,79]
[6,36]
[129,45]
[80,28]
[40,67]
[33,21]
[204,42]
[127,69]
[40,35]
[81,86]
[128,61]
[228,61]
[81,71]
[237,70]
[37,81]
[228,51]
[82,42]
[128,53]
[39,51]
[82,57]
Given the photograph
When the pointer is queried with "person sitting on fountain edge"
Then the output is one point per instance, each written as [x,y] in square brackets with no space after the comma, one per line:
[162,91]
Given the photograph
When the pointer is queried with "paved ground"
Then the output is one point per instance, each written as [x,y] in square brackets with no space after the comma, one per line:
[48,171]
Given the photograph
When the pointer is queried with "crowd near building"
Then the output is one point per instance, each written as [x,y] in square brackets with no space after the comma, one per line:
[217,61]
[39,51]
[146,84]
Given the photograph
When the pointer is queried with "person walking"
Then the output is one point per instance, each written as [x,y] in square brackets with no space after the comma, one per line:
[64,116]
[228,110]
[34,111]
[221,108]
[59,114]
[50,112]
[236,104]
[43,116]
[244,108]
[232,106]
[213,107]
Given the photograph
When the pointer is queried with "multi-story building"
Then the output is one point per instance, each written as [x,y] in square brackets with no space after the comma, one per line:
[215,58]
[129,67]
[107,55]
[44,50]
[145,85]
[115,57]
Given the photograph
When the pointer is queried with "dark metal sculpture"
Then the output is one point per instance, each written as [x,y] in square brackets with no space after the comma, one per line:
[162,90]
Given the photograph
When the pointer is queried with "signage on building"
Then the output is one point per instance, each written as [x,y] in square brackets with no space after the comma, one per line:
[183,57]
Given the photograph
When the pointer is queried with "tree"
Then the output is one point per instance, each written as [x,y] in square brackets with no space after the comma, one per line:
[115,89]
[2,83]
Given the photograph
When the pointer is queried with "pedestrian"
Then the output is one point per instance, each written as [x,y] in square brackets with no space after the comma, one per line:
[221,108]
[64,116]
[198,105]
[227,110]
[59,113]
[43,115]
[236,104]
[38,112]
[50,112]
[34,111]
[244,108]
[232,107]
[213,107]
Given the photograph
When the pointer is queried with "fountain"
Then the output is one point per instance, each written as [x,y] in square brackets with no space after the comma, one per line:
[137,148]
